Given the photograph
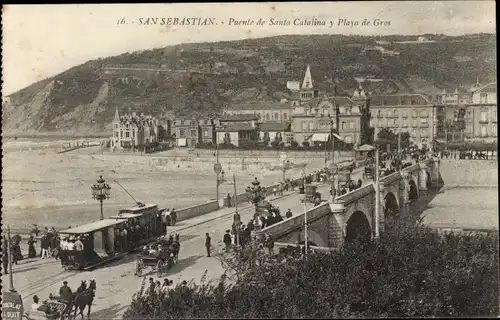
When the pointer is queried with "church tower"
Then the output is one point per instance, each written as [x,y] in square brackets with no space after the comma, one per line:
[307,89]
[115,140]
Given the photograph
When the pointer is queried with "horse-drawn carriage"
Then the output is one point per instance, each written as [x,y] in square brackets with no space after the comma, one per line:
[52,309]
[161,257]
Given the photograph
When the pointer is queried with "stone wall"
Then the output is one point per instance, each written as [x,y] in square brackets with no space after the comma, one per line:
[469,173]
[195,211]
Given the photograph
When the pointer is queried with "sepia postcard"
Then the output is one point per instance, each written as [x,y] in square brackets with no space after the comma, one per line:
[250,160]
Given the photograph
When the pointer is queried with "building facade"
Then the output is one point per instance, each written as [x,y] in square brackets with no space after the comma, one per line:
[482,113]
[237,130]
[132,130]
[275,131]
[186,132]
[265,111]
[206,133]
[411,113]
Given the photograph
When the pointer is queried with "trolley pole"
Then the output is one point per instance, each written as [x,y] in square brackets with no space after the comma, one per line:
[377,196]
[217,175]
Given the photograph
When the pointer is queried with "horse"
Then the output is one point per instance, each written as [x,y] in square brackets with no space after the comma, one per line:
[175,248]
[84,297]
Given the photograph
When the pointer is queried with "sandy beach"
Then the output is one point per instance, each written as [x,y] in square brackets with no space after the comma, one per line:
[50,189]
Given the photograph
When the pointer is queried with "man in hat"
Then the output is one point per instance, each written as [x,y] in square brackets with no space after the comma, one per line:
[79,249]
[5,256]
[71,244]
[65,292]
[173,216]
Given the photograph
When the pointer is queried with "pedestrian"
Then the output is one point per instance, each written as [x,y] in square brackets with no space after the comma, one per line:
[79,250]
[151,286]
[44,243]
[228,200]
[288,214]
[124,240]
[36,303]
[208,244]
[65,292]
[173,216]
[227,240]
[158,288]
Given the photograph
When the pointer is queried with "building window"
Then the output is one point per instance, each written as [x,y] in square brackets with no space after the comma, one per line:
[285,116]
[182,133]
[389,113]
[414,113]
[414,123]
[484,97]
[121,133]
[276,116]
[379,113]
[394,122]
[127,134]
[268,117]
[405,123]
[494,129]
[344,125]
[395,112]
[413,133]
[194,133]
[289,138]
[116,126]
[312,125]
[424,133]
[205,133]
[116,134]
[484,131]
[423,121]
[494,114]
[484,115]
[405,114]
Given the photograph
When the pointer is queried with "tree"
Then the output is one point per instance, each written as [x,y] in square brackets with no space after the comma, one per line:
[412,271]
[387,136]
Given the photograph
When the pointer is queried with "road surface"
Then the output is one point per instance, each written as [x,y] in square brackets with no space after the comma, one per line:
[116,282]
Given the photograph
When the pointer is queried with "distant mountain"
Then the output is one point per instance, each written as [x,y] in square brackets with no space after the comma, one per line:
[198,79]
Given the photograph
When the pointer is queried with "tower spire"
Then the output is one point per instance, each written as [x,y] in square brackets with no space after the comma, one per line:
[117,115]
[307,83]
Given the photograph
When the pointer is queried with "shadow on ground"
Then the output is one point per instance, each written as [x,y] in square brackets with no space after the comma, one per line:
[108,313]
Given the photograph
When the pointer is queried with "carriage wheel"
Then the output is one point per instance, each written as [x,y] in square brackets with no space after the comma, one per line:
[159,266]
[138,268]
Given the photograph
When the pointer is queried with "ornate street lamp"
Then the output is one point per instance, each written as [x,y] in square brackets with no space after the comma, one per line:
[100,192]
[257,195]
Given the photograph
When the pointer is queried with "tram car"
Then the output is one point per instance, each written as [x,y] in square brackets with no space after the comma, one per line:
[146,216]
[98,240]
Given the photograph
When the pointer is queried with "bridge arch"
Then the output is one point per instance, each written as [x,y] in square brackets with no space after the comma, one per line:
[314,239]
[391,208]
[413,192]
[414,178]
[358,228]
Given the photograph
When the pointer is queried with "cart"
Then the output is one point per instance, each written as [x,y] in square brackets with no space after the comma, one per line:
[58,310]
[160,262]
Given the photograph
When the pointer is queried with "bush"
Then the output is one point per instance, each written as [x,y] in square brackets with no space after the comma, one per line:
[411,272]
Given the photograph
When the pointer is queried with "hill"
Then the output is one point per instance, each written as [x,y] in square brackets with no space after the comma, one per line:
[200,78]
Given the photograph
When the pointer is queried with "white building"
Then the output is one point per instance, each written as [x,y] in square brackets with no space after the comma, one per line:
[132,130]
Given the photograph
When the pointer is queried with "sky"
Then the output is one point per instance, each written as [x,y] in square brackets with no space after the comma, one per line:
[40,41]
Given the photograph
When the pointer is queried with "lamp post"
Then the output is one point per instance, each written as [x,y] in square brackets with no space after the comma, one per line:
[9,250]
[257,194]
[302,197]
[100,192]
[334,167]
[217,170]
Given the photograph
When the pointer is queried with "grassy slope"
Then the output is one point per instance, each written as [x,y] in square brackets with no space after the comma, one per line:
[261,75]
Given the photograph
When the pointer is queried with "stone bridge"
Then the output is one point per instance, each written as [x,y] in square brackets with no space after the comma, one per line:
[353,214]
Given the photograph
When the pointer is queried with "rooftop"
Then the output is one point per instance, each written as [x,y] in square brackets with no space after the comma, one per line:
[235,127]
[274,126]
[490,88]
[93,226]
[238,117]
[398,100]
[259,106]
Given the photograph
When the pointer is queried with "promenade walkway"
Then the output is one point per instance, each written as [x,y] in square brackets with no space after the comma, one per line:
[116,282]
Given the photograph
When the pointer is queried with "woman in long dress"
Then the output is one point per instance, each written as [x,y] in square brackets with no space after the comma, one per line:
[31,247]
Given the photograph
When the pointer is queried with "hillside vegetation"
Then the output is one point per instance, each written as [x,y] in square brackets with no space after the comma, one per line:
[198,79]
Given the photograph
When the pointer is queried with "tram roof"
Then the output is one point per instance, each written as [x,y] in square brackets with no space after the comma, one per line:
[139,208]
[93,226]
[126,215]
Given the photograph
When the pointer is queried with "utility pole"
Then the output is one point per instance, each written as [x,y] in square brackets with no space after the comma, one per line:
[236,211]
[306,239]
[377,195]
[9,250]
[333,160]
[217,176]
